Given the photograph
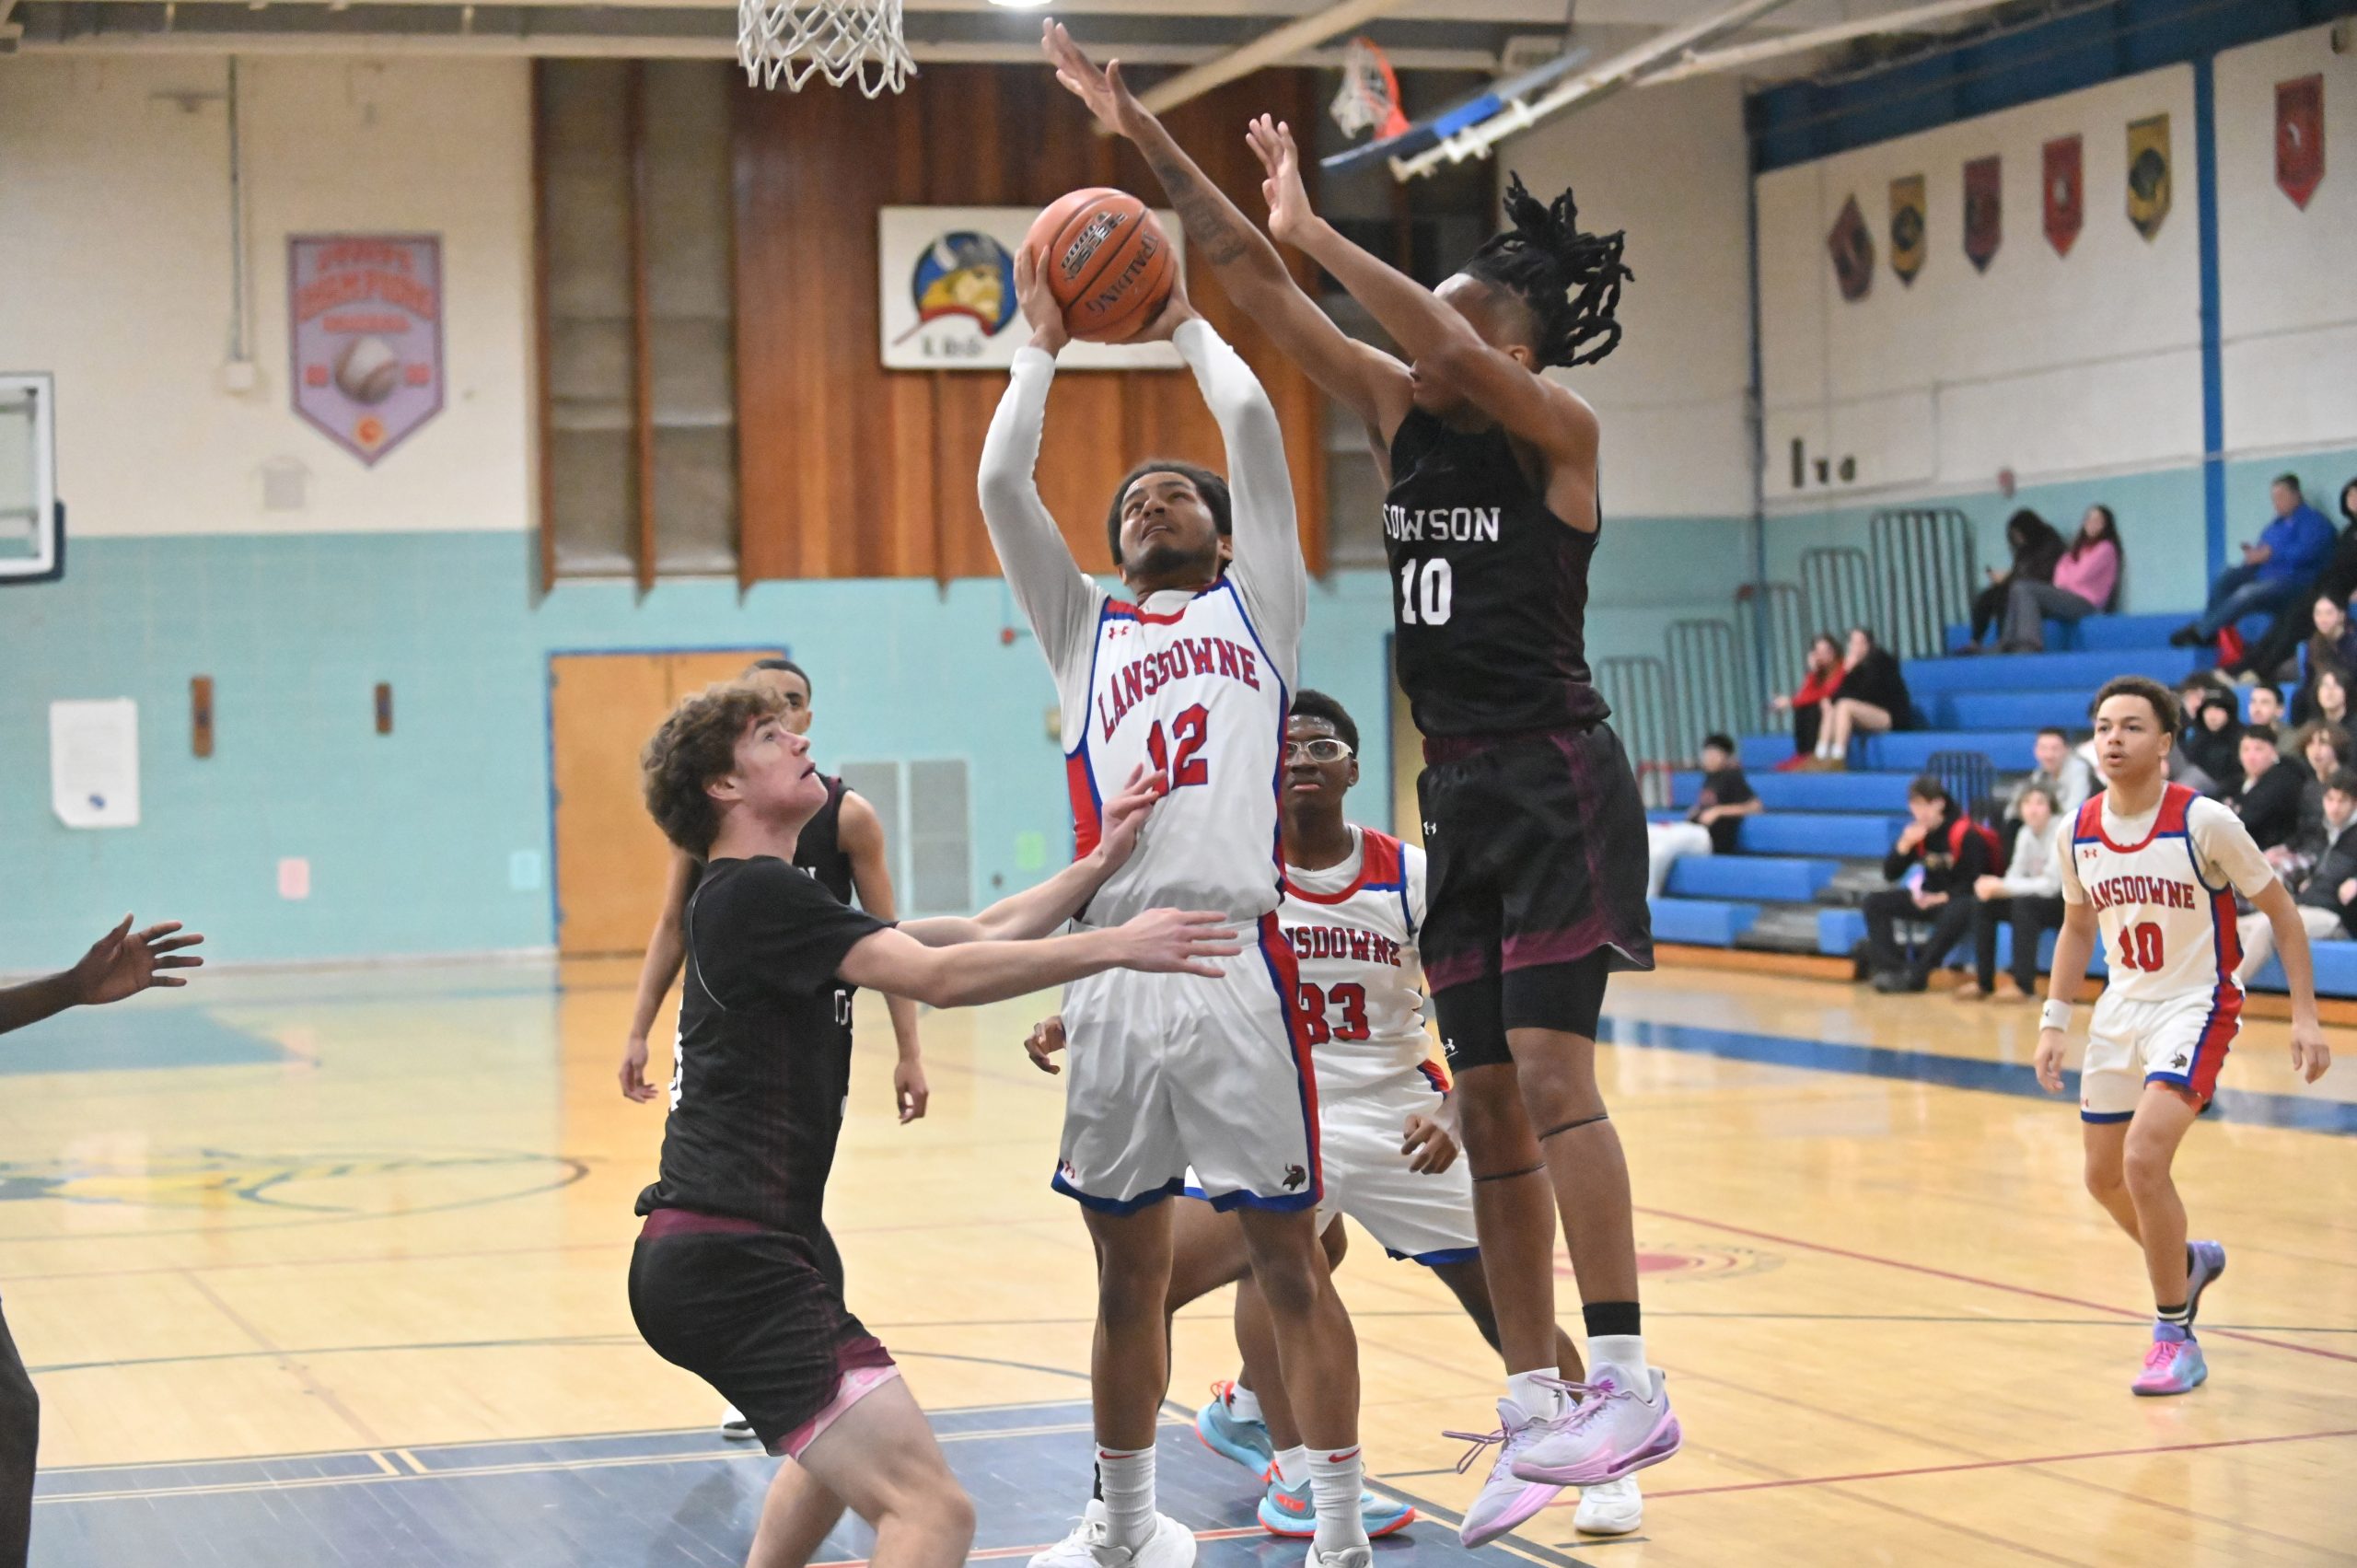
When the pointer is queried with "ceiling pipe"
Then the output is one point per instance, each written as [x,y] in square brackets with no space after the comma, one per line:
[1744,55]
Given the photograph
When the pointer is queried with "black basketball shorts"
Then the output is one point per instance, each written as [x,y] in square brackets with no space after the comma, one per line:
[753,1312]
[1535,866]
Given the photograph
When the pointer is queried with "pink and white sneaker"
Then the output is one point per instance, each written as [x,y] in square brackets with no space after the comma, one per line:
[2172,1366]
[1505,1500]
[1612,1432]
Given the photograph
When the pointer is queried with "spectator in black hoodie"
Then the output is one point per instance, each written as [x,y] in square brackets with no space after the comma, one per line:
[1872,698]
[2269,800]
[2327,896]
[1954,852]
[2213,732]
[2036,548]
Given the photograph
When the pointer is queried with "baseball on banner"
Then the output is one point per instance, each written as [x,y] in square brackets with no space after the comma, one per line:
[365,335]
[945,282]
[367,370]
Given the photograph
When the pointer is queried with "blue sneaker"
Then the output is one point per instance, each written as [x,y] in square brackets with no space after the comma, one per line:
[2209,1261]
[1232,1437]
[2173,1366]
[1290,1511]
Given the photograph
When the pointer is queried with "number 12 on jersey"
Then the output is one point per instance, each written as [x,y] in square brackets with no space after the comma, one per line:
[1181,764]
[1426,589]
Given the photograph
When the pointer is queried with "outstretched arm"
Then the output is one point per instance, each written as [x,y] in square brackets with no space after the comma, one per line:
[122,963]
[1437,339]
[1363,378]
[1037,910]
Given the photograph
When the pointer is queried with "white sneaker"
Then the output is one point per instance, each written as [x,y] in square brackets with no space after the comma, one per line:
[1611,1508]
[1341,1557]
[1506,1499]
[735,1427]
[1090,1545]
[1612,1431]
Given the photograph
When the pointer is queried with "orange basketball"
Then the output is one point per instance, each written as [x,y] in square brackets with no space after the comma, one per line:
[1108,262]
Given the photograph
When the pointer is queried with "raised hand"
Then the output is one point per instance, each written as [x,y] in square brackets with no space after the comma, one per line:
[634,1071]
[1178,942]
[1125,815]
[1105,95]
[1047,1038]
[1039,306]
[1289,210]
[124,962]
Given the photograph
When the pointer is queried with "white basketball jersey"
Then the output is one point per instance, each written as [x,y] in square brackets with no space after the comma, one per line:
[1360,975]
[2167,933]
[1192,695]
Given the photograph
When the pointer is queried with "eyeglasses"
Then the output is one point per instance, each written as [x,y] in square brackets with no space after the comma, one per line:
[1325,748]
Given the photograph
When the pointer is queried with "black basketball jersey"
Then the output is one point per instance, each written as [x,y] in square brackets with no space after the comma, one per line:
[818,850]
[764,1055]
[1488,587]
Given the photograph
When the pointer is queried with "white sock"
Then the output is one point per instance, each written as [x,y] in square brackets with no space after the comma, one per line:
[1626,1353]
[1243,1403]
[1335,1481]
[1292,1464]
[1538,1399]
[1127,1481]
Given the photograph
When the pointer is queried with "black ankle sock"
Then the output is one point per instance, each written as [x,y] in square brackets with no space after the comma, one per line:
[1612,1317]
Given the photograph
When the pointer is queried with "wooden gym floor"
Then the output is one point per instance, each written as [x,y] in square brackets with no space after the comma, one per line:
[328,1267]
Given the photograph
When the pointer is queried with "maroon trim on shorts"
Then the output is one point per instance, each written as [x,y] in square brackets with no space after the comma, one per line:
[865,1350]
[1456,747]
[1534,949]
[1461,969]
[695,1222]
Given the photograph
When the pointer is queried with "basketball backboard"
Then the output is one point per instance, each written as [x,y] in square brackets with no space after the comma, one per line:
[32,524]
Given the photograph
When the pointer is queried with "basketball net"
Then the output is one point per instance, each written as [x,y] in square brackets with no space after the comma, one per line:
[1370,97]
[843,40]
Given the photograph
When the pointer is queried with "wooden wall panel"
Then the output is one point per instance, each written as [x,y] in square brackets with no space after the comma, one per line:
[853,471]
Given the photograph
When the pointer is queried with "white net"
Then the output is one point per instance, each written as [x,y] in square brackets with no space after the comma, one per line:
[1370,97]
[844,41]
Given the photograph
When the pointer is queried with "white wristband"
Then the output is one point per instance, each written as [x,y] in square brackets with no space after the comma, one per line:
[2054,1015]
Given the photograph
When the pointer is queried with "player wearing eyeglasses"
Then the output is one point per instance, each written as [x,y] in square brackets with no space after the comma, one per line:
[1353,906]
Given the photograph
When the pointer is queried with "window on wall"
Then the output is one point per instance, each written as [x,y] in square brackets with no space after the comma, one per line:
[638,436]
[928,830]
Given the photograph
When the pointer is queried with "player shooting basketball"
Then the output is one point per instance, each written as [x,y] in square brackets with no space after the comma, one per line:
[1532,818]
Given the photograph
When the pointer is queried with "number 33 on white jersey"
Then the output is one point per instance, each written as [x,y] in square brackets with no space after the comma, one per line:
[1194,696]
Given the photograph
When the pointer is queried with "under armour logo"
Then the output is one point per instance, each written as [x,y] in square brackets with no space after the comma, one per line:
[1432,830]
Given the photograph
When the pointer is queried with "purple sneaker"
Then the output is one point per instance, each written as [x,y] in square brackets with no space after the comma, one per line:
[1612,1432]
[2171,1366]
[2208,1261]
[1505,1500]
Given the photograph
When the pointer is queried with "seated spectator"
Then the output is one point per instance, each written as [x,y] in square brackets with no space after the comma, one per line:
[2328,699]
[2265,706]
[2324,748]
[2061,772]
[2035,547]
[1819,682]
[1712,825]
[1872,697]
[1944,853]
[2269,798]
[2325,894]
[2267,657]
[2028,896]
[2329,647]
[2213,736]
[2285,562]
[2085,582]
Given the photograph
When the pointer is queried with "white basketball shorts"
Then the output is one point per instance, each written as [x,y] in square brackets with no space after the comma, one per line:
[1169,1071]
[2177,1040]
[1427,1217]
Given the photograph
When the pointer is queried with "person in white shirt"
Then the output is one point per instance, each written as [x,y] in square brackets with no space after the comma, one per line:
[2029,896]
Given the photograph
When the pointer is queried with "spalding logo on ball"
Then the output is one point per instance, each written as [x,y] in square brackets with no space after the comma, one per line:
[367,370]
[1108,263]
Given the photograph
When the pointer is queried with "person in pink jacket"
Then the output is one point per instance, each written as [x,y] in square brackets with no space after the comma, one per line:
[2085,582]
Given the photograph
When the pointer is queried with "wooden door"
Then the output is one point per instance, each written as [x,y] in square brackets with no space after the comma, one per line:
[610,859]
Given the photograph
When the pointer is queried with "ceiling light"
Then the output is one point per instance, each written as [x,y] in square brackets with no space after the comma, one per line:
[1019,4]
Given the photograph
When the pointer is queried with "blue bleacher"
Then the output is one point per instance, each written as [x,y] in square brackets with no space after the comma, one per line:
[1703,922]
[2106,633]
[1821,833]
[1808,792]
[2049,672]
[1750,876]
[1909,750]
[2007,710]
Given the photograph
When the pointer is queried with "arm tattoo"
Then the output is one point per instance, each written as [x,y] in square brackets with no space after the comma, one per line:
[1201,209]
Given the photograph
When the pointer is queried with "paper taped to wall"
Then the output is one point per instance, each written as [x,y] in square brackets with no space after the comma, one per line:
[94,762]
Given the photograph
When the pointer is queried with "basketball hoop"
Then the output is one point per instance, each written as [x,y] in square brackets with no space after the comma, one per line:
[843,40]
[1370,97]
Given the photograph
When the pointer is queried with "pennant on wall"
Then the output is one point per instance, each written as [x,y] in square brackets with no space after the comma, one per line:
[2299,137]
[1907,227]
[2148,173]
[1984,225]
[2066,195]
[1852,244]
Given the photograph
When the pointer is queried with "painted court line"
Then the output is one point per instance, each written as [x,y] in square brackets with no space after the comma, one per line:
[1652,1496]
[1952,1275]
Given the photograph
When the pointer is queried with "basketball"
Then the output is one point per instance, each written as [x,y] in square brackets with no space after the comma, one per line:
[1107,263]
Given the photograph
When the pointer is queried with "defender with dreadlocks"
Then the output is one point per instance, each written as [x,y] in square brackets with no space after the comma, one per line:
[1533,826]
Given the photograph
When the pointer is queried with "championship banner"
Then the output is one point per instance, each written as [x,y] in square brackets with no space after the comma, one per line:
[1907,204]
[1984,210]
[2299,137]
[365,330]
[1853,245]
[2066,192]
[2148,173]
[947,275]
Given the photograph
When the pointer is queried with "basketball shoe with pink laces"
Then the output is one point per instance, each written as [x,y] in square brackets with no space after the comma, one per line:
[1613,1431]
[1505,1500]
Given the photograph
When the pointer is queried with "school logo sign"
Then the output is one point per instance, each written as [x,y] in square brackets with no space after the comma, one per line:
[365,330]
[2148,174]
[2066,192]
[1984,209]
[1907,230]
[1853,245]
[2299,137]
